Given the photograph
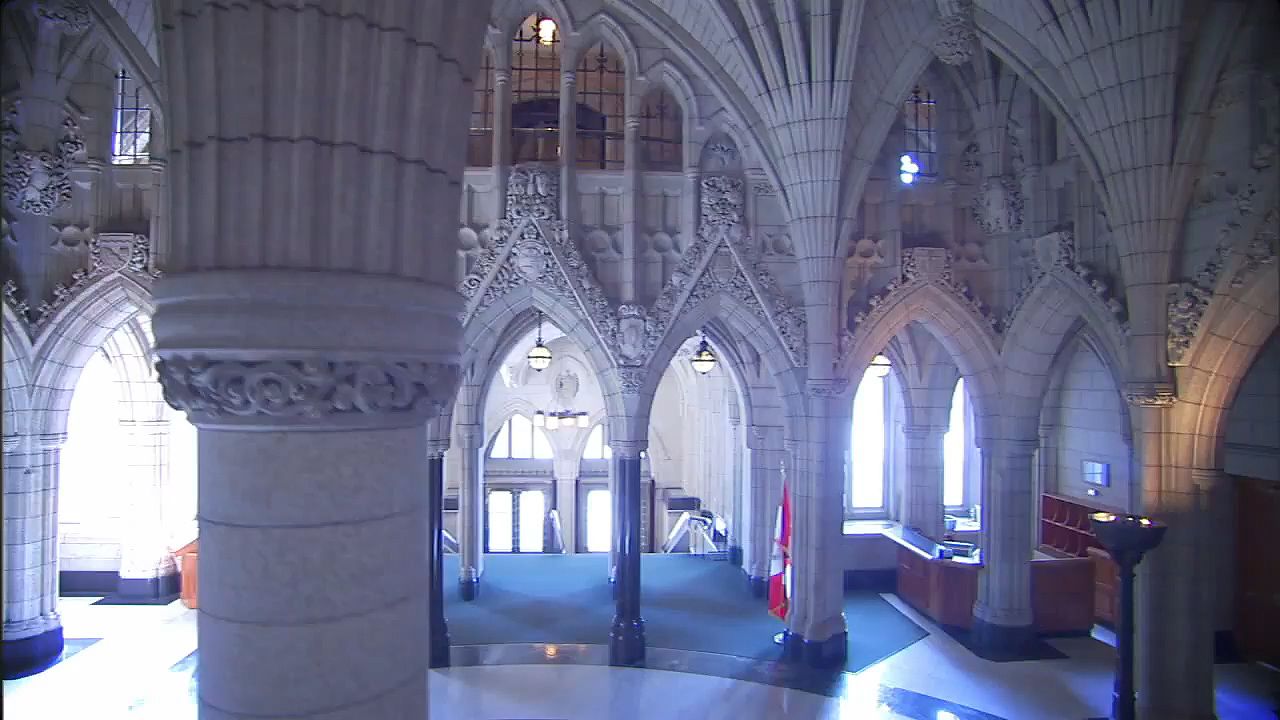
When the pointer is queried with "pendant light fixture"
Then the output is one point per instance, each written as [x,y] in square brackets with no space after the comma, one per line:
[540,356]
[545,28]
[879,365]
[703,360]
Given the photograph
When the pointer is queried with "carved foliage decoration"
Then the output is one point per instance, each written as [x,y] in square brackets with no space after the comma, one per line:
[1187,304]
[957,37]
[1261,249]
[1055,253]
[213,389]
[36,181]
[69,16]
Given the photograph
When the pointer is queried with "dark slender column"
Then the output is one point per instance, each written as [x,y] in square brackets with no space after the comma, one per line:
[1122,698]
[626,637]
[435,559]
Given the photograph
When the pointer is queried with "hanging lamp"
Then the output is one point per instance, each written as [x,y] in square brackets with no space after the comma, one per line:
[703,360]
[540,355]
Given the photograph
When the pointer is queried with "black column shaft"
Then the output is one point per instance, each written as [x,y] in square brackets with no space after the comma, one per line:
[626,637]
[435,561]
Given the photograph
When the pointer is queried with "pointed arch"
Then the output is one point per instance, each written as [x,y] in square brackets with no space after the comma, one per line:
[507,15]
[970,342]
[603,27]
[17,374]
[1045,322]
[77,331]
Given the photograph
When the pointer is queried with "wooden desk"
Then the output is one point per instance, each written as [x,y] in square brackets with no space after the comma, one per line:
[945,590]
[188,565]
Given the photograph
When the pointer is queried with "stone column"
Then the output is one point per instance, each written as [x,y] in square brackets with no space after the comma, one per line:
[1175,612]
[439,627]
[922,506]
[568,144]
[147,569]
[817,633]
[631,210]
[32,627]
[1002,613]
[566,494]
[470,511]
[762,507]
[626,636]
[501,130]
[307,322]
[736,489]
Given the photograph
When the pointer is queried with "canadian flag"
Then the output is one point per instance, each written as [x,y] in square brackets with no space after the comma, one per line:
[780,562]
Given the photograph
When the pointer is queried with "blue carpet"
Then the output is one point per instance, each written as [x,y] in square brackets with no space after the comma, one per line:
[688,603]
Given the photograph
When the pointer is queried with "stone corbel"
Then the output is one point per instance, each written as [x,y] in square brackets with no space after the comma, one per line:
[1150,394]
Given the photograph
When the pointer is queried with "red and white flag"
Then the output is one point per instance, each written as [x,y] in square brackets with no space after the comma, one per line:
[780,562]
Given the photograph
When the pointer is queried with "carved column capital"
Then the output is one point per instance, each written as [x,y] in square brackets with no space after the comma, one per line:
[306,393]
[627,449]
[1150,394]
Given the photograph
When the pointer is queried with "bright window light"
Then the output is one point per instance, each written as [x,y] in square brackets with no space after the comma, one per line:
[532,509]
[500,521]
[599,521]
[866,443]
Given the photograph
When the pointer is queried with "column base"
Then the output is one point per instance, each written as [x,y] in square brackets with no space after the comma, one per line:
[31,655]
[735,556]
[758,586]
[145,591]
[439,655]
[469,589]
[626,643]
[1003,642]
[818,654]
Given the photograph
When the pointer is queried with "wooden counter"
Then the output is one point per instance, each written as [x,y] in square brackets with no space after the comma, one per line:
[188,565]
[945,590]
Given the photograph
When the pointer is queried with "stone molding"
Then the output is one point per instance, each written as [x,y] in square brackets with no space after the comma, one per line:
[70,16]
[997,206]
[19,629]
[826,387]
[306,393]
[1150,394]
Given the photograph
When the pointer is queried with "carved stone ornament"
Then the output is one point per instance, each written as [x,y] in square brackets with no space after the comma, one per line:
[70,16]
[1187,304]
[566,387]
[9,131]
[722,201]
[827,387]
[1055,252]
[633,329]
[630,379]
[38,182]
[305,392]
[720,156]
[533,192]
[109,253]
[998,205]
[957,36]
[971,160]
[1261,250]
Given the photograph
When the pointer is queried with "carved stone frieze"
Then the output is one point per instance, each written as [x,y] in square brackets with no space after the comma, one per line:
[631,379]
[216,390]
[1150,395]
[957,35]
[9,130]
[15,301]
[998,205]
[70,16]
[971,160]
[1055,252]
[721,202]
[826,387]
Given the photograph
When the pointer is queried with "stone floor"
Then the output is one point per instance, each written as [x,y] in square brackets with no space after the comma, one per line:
[142,668]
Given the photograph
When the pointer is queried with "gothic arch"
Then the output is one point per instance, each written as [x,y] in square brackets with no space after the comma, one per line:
[664,73]
[508,15]
[72,336]
[605,28]
[970,342]
[17,374]
[1043,324]
[722,308]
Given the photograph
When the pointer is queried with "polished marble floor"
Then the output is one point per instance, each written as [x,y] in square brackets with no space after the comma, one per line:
[142,668]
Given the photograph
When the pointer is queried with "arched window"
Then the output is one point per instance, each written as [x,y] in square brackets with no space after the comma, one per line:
[661,131]
[131,134]
[920,139]
[596,449]
[960,459]
[867,443]
[535,92]
[480,143]
[602,82]
[92,490]
[518,439]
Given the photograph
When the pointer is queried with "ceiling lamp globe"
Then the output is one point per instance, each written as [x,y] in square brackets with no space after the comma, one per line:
[540,357]
[879,366]
[703,360]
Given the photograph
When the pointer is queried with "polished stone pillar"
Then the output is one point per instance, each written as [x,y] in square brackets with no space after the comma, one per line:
[568,141]
[470,511]
[308,323]
[922,506]
[32,626]
[626,636]
[1002,612]
[764,494]
[502,126]
[737,491]
[147,569]
[439,627]
[565,472]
